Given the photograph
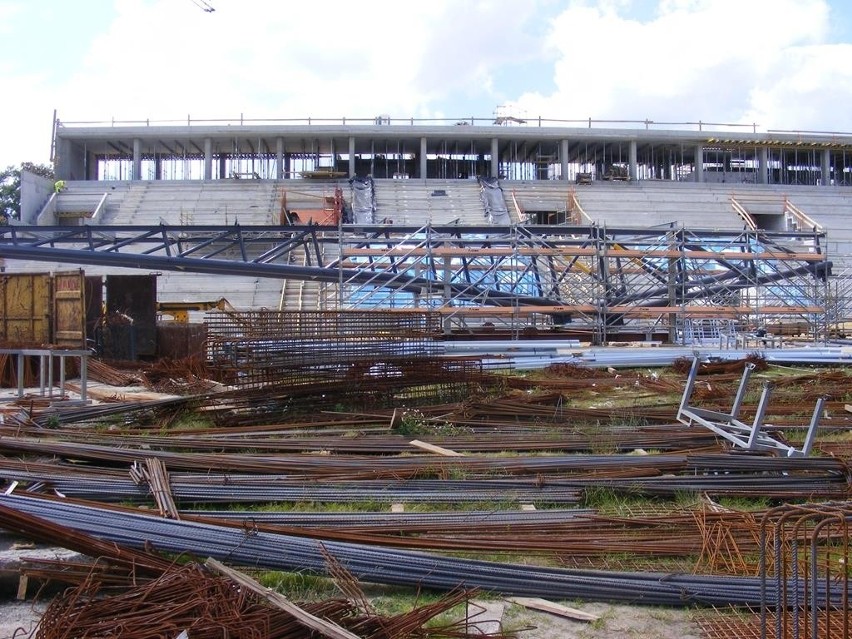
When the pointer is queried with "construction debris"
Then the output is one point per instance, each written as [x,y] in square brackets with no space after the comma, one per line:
[537,603]
[377,438]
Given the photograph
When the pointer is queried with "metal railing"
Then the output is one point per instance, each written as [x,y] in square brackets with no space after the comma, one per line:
[383,120]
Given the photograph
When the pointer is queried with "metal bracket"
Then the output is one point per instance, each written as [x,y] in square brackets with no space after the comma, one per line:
[742,435]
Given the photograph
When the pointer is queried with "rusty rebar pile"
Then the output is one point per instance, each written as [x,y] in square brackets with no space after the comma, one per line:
[189,599]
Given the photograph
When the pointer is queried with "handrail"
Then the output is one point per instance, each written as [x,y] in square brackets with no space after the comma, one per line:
[803,218]
[99,209]
[518,209]
[538,121]
[574,205]
[743,213]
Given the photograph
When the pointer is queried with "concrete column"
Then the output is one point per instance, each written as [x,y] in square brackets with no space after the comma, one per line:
[424,160]
[136,171]
[495,157]
[633,169]
[763,165]
[90,165]
[208,159]
[279,158]
[72,162]
[563,158]
[699,162]
[826,167]
[351,156]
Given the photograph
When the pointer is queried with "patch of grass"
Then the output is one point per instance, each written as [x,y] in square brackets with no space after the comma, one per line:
[191,421]
[602,620]
[403,600]
[610,502]
[686,499]
[297,585]
[744,504]
[416,424]
[314,507]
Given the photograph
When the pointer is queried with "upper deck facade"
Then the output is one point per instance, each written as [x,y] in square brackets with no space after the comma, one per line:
[505,148]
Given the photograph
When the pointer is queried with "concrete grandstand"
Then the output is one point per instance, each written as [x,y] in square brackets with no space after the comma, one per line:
[789,191]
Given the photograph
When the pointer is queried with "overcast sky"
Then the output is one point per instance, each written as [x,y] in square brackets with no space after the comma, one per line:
[780,64]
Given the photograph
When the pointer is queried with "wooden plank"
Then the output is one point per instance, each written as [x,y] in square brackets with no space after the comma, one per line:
[69,309]
[25,308]
[553,608]
[23,580]
[848,408]
[322,626]
[445,452]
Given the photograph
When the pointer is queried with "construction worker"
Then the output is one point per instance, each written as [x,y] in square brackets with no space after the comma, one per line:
[59,185]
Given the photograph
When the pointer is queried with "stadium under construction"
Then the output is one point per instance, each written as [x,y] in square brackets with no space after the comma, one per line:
[605,230]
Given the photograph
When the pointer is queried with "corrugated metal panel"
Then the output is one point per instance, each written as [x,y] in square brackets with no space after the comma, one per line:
[135,296]
[179,341]
[25,308]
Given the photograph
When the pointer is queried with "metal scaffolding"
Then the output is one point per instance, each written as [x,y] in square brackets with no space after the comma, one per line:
[606,280]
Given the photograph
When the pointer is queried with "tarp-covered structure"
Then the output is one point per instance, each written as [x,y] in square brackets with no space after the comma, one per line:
[493,201]
[363,200]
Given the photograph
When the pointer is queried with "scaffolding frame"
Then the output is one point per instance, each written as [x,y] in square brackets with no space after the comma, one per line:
[602,279]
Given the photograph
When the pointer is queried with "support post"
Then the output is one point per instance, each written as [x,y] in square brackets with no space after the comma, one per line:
[20,375]
[495,157]
[741,391]
[699,163]
[136,171]
[633,169]
[812,428]
[759,414]
[208,159]
[763,165]
[279,158]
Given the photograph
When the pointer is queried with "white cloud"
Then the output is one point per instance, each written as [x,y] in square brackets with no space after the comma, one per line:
[721,61]
[763,61]
[162,59]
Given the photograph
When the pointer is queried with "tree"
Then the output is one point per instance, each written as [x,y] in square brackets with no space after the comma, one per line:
[10,188]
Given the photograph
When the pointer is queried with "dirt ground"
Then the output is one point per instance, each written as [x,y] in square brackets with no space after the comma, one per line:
[20,617]
[616,622]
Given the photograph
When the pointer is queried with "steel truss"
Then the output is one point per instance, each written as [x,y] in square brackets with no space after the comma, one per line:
[601,277]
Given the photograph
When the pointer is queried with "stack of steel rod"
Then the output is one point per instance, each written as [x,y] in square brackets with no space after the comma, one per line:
[399,567]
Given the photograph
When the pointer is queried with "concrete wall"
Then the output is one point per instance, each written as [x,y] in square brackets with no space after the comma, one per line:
[35,191]
[70,162]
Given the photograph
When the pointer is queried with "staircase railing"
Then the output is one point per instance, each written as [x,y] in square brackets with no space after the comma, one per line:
[803,220]
[573,205]
[743,213]
[519,211]
[99,210]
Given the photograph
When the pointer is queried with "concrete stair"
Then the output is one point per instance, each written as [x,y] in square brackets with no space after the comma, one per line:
[421,202]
